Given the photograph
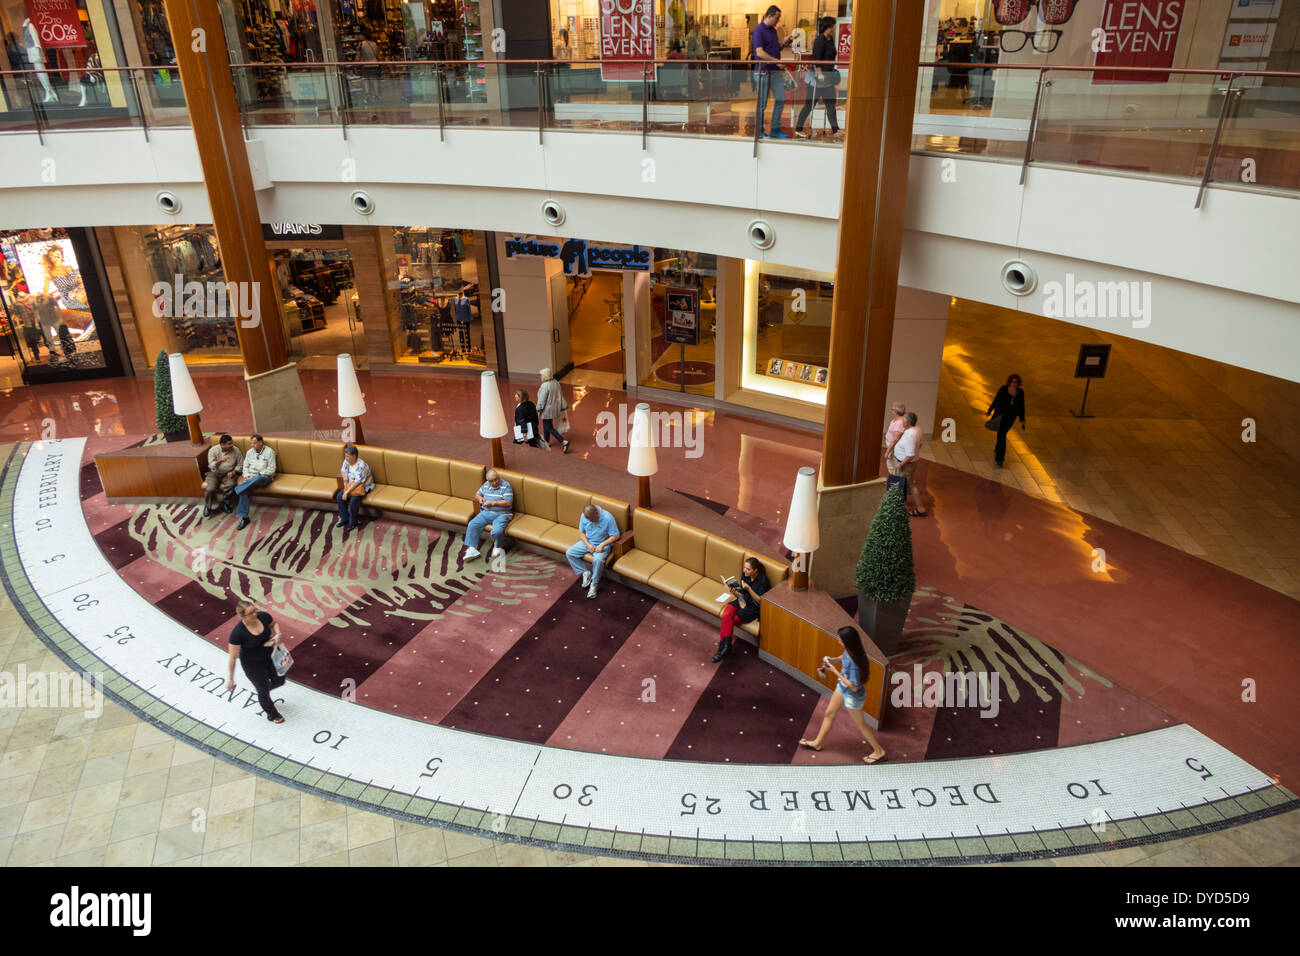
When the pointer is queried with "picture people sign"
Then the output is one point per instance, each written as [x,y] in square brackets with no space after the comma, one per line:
[580,256]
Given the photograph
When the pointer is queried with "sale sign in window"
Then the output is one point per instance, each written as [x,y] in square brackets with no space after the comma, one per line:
[627,39]
[56,22]
[1137,33]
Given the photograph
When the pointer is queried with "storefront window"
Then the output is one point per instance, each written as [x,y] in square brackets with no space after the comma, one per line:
[435,286]
[46,312]
[677,347]
[787,331]
[321,309]
[64,47]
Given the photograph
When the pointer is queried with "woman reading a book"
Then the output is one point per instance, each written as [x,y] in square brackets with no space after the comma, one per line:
[749,590]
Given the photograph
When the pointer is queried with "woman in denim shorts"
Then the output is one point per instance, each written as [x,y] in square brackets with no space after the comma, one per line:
[850,694]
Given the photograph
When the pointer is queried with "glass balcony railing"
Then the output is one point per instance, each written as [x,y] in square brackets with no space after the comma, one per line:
[1197,125]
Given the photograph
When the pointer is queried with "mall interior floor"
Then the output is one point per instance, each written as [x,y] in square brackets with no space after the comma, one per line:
[1164,455]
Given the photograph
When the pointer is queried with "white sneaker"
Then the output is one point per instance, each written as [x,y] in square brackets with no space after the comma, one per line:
[586,579]
[472,553]
[591,591]
[497,552]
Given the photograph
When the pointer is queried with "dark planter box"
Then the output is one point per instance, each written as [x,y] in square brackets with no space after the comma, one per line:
[883,621]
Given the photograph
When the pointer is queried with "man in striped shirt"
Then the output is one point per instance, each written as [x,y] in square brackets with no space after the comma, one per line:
[496,501]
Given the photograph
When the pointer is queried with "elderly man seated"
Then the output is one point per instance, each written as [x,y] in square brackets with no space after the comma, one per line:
[597,532]
[496,502]
[224,460]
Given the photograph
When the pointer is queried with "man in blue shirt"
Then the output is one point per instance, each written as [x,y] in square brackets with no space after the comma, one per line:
[767,50]
[597,532]
[496,501]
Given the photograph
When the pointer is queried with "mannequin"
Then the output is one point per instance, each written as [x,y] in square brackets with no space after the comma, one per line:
[36,57]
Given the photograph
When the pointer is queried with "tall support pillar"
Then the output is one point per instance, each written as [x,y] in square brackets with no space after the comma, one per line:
[877,149]
[274,389]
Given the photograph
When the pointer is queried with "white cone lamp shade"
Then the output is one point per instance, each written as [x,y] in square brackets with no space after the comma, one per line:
[802,533]
[491,417]
[351,402]
[185,399]
[641,459]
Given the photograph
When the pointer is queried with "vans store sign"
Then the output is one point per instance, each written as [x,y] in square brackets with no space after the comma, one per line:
[280,231]
[580,256]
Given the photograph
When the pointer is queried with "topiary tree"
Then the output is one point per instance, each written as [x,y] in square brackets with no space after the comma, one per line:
[167,420]
[886,571]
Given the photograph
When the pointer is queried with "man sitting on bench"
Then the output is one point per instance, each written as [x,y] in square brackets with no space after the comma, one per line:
[224,459]
[496,501]
[258,471]
[597,532]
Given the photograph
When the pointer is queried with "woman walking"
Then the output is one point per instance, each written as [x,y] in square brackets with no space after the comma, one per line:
[824,80]
[550,402]
[751,587]
[1007,405]
[251,642]
[850,694]
[526,422]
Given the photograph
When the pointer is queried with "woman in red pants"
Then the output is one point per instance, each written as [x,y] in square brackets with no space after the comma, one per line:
[749,590]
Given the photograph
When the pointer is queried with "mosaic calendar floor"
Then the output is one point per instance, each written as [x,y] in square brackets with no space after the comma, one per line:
[508,702]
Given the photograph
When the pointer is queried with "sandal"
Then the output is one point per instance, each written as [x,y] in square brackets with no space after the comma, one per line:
[919,514]
[869,759]
[565,448]
[808,744]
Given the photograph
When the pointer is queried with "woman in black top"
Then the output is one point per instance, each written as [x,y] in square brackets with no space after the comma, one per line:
[525,416]
[1008,405]
[251,641]
[752,585]
[824,55]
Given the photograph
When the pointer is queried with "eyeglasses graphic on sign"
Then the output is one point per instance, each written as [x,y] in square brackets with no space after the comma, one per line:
[1044,41]
[1012,12]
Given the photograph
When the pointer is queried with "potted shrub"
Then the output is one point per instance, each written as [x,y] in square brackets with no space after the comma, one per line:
[886,576]
[169,423]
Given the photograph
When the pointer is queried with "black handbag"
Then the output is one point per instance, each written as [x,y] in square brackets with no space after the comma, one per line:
[994,423]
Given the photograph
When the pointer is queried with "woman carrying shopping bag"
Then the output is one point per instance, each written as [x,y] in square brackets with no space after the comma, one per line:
[551,409]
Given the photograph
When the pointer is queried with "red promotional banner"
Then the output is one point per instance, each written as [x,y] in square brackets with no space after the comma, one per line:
[1137,33]
[627,35]
[843,39]
[56,22]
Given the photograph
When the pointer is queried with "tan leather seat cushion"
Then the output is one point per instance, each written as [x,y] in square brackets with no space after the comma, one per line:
[722,559]
[455,510]
[776,570]
[673,579]
[638,565]
[569,503]
[319,489]
[466,480]
[284,485]
[434,474]
[686,547]
[539,495]
[560,537]
[750,628]
[530,528]
[326,458]
[389,497]
[293,456]
[425,504]
[516,481]
[703,594]
[374,457]
[650,532]
[400,470]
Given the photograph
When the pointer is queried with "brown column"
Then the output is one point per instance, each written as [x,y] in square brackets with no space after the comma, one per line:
[878,136]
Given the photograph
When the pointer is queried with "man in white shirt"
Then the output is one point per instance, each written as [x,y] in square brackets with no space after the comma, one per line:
[258,470]
[906,452]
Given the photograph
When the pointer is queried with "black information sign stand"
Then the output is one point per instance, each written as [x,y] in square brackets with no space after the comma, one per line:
[682,324]
[1091,364]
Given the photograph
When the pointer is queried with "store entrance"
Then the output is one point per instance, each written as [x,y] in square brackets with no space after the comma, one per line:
[322,313]
[596,336]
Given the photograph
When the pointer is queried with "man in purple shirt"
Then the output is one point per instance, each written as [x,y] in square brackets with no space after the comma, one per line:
[767,50]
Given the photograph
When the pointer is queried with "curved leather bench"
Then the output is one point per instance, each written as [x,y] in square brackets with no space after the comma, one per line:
[666,558]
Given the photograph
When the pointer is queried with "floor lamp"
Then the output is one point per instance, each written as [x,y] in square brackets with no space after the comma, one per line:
[641,458]
[185,398]
[352,404]
[491,416]
[802,533]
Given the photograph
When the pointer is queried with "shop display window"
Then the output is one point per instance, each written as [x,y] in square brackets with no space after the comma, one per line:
[435,287]
[664,359]
[320,306]
[787,331]
[62,59]
[45,316]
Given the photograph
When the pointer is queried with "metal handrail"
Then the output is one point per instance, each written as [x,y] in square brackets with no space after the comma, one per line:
[1214,143]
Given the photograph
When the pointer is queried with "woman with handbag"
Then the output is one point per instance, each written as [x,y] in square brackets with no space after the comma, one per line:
[822,79]
[550,406]
[1007,405]
[253,642]
[527,427]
